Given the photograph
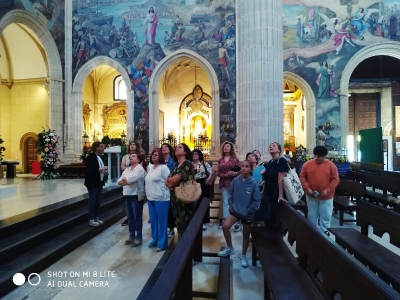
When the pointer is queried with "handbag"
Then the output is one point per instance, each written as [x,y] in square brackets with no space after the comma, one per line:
[292,186]
[189,191]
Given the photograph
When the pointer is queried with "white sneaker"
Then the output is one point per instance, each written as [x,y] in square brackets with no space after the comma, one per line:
[171,233]
[204,227]
[99,221]
[237,227]
[243,261]
[94,223]
[226,252]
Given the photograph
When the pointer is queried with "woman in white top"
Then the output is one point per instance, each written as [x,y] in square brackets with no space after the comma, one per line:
[134,147]
[158,200]
[131,179]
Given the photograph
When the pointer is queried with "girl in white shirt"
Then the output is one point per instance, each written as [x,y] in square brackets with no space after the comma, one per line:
[130,180]
[158,200]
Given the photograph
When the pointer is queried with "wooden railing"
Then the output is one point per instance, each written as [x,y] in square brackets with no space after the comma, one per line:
[176,279]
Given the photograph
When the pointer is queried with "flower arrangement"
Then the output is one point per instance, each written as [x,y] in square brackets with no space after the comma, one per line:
[286,144]
[1,150]
[336,159]
[47,148]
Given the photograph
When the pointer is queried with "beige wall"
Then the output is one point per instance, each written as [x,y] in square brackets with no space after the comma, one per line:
[24,108]
[97,95]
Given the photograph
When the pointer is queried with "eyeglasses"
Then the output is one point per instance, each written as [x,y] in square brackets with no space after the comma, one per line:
[154,154]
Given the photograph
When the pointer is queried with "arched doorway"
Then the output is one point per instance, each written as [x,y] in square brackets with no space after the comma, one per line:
[28,150]
[154,94]
[75,125]
[349,138]
[310,111]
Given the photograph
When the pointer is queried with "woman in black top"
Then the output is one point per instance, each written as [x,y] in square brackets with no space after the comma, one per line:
[94,181]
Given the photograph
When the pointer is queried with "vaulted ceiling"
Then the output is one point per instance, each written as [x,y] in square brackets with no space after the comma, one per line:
[22,54]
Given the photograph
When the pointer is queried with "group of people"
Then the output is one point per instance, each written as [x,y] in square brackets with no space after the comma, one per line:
[242,205]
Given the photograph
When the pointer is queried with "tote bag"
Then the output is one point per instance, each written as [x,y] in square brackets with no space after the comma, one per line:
[292,186]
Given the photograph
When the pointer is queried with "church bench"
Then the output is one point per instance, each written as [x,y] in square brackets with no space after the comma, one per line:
[283,276]
[347,194]
[378,258]
[73,170]
[390,188]
[332,269]
[371,168]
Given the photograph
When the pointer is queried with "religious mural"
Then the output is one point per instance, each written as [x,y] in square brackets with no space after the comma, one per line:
[140,33]
[319,38]
[50,12]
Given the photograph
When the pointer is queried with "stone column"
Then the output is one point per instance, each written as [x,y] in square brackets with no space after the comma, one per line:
[70,149]
[153,124]
[259,79]
[130,109]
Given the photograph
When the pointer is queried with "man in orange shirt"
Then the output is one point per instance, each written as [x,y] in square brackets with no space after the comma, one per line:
[319,178]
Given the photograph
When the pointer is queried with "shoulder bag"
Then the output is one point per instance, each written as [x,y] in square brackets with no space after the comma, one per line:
[189,191]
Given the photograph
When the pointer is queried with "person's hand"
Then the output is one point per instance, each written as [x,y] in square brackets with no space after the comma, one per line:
[310,193]
[230,209]
[169,184]
[281,199]
[324,193]
[231,173]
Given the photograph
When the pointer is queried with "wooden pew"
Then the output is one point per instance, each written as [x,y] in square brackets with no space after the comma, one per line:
[386,185]
[347,194]
[331,268]
[280,267]
[371,168]
[378,258]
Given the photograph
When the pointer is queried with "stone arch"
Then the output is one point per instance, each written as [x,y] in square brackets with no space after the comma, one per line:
[155,80]
[389,48]
[54,70]
[77,87]
[387,129]
[310,107]
[22,145]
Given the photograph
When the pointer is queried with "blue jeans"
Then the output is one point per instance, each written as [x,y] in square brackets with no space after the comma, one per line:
[134,212]
[94,201]
[322,209]
[158,211]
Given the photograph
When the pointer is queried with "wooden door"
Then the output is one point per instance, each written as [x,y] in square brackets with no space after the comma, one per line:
[363,112]
[30,154]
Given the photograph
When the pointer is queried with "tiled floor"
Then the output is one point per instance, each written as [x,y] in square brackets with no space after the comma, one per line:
[130,266]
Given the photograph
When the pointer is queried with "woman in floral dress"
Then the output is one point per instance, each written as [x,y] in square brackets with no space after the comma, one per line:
[182,172]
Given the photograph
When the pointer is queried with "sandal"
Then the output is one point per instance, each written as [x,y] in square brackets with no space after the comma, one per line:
[136,243]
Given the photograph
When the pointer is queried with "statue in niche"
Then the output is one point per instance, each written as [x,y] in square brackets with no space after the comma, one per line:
[198,127]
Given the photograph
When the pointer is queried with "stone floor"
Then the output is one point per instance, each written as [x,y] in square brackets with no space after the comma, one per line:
[124,269]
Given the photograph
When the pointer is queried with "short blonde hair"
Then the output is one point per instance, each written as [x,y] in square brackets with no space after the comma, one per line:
[231,152]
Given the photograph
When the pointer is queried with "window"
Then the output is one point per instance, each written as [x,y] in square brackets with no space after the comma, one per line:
[119,89]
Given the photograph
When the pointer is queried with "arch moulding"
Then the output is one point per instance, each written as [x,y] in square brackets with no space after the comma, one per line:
[310,107]
[389,48]
[54,70]
[75,115]
[155,80]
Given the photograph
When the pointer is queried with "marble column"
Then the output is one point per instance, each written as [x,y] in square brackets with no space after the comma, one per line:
[153,124]
[69,131]
[130,116]
[259,68]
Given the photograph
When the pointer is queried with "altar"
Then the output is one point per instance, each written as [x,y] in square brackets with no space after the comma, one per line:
[10,164]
